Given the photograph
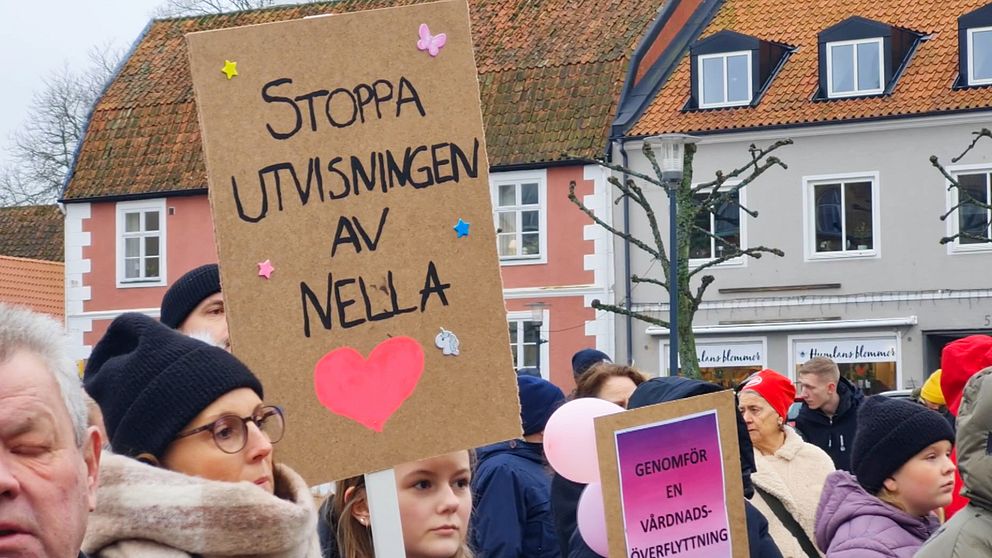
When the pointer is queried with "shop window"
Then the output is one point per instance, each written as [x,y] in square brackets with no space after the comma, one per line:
[842,216]
[973,219]
[724,228]
[726,362]
[141,243]
[520,217]
[869,362]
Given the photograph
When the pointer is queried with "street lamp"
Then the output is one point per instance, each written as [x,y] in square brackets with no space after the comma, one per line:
[537,315]
[671,161]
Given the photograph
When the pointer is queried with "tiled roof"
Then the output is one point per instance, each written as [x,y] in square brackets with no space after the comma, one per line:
[924,88]
[32,231]
[36,284]
[550,75]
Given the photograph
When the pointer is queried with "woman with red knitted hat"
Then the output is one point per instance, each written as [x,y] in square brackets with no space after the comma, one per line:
[791,472]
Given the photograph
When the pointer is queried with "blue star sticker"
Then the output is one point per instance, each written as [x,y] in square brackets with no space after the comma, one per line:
[461,228]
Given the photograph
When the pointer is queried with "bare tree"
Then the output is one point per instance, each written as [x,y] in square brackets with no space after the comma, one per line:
[966,201]
[42,149]
[173,8]
[692,202]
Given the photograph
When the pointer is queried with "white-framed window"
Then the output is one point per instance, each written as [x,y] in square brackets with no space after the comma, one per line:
[855,68]
[524,336]
[975,182]
[725,223]
[520,215]
[141,243]
[980,56]
[842,215]
[724,79]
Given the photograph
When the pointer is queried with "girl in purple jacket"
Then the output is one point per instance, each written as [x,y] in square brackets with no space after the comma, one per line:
[902,473]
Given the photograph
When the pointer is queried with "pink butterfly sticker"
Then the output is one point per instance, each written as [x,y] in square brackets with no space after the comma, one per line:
[430,43]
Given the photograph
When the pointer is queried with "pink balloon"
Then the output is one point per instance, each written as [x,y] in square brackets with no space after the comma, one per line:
[592,519]
[570,438]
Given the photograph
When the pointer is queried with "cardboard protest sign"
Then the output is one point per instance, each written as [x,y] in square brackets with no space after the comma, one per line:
[671,479]
[351,206]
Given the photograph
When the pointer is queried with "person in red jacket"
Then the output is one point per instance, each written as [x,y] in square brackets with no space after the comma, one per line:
[959,361]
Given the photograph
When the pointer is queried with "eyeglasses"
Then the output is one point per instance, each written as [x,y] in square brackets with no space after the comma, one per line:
[230,432]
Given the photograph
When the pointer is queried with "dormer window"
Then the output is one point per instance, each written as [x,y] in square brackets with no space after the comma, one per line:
[731,70]
[854,68]
[725,79]
[980,56]
[975,48]
[860,57]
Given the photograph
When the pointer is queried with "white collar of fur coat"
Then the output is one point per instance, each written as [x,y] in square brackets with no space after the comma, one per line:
[790,448]
[152,512]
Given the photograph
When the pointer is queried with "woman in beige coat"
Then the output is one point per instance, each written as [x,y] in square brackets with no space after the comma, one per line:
[790,472]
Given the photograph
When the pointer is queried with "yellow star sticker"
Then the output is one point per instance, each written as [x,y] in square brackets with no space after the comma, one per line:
[230,69]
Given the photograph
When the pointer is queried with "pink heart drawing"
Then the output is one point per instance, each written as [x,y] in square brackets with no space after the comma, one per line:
[369,391]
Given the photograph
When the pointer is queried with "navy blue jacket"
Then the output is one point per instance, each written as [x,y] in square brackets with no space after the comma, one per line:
[564,506]
[512,493]
[834,435]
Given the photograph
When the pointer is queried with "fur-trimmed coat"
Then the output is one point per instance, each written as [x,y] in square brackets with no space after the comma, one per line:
[795,475]
[148,512]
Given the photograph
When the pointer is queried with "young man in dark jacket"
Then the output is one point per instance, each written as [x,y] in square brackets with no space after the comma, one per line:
[512,484]
[829,415]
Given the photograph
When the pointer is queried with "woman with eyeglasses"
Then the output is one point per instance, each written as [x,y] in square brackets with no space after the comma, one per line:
[192,470]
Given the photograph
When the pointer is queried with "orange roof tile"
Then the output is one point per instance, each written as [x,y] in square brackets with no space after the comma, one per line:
[32,231]
[36,284]
[550,74]
[924,87]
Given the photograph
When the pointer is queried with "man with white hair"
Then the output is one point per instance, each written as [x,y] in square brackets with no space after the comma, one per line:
[49,457]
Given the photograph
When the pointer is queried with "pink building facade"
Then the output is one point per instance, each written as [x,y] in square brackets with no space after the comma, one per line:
[121,256]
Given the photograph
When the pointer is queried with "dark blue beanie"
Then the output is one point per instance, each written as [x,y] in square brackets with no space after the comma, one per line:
[889,433]
[151,381]
[538,399]
[585,359]
[187,292]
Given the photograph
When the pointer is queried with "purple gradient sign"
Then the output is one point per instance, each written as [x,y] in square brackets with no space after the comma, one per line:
[672,488]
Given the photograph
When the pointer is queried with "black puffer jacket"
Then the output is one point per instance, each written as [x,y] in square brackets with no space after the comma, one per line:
[834,435]
[661,390]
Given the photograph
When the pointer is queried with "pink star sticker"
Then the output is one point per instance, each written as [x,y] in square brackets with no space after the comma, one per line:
[265,269]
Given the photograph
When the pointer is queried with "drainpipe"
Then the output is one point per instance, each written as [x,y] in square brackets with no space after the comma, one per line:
[628,299]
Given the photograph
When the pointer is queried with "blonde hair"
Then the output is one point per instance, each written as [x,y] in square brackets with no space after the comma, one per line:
[822,367]
[355,539]
[592,380]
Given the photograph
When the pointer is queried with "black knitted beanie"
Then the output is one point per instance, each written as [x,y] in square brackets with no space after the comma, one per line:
[188,291]
[151,381]
[890,432]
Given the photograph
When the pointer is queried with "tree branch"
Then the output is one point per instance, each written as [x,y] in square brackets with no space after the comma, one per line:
[596,304]
[756,155]
[629,237]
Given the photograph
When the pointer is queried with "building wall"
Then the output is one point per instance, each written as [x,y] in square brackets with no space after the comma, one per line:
[93,297]
[912,274]
[576,269]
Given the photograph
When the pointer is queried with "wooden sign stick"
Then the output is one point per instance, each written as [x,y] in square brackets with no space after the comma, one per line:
[384,511]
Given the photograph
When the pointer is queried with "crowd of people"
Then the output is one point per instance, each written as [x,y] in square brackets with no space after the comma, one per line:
[167,449]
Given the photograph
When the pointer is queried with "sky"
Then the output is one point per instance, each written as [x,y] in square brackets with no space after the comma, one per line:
[38,37]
